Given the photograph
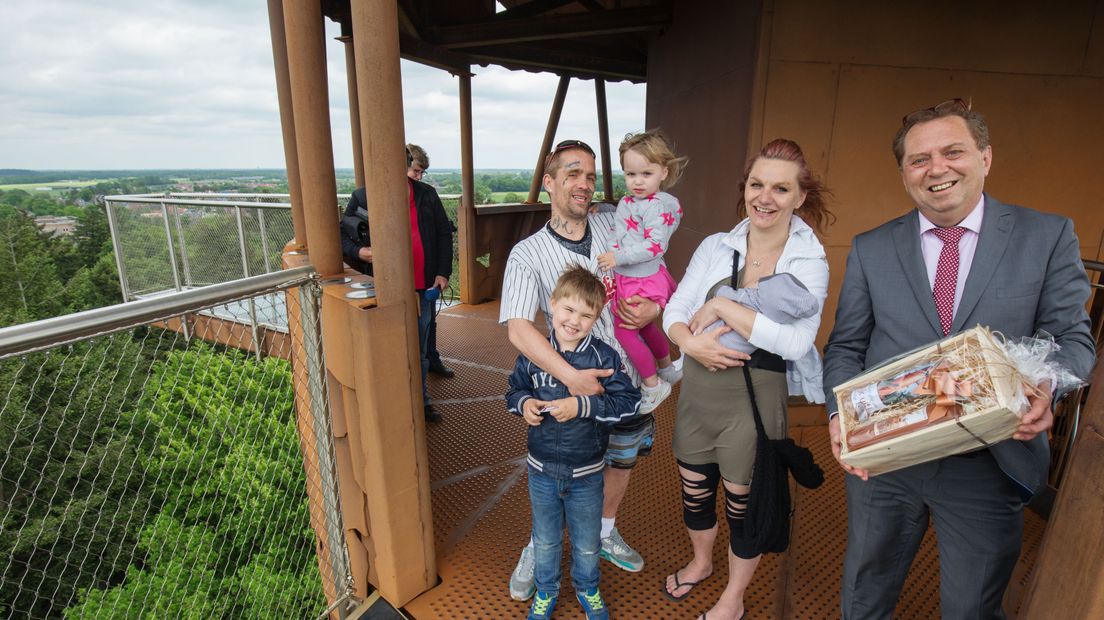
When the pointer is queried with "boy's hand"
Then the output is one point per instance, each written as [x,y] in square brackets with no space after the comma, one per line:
[531,411]
[607,261]
[564,409]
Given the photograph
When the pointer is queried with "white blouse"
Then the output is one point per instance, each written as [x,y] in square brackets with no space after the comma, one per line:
[804,258]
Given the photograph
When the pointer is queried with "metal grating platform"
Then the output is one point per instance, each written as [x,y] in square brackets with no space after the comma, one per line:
[481,510]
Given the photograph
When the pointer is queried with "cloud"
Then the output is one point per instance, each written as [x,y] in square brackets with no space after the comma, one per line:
[190,84]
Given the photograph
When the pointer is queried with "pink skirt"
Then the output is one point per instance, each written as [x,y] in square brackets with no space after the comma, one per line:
[656,287]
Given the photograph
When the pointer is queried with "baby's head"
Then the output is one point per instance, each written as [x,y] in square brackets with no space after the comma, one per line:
[577,301]
[651,148]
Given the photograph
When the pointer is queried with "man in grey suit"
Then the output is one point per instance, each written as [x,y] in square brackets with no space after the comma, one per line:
[1015,270]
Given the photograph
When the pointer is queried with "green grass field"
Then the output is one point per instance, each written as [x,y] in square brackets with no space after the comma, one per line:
[53,185]
[501,196]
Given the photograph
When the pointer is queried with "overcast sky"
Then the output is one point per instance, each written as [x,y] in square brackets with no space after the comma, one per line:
[125,84]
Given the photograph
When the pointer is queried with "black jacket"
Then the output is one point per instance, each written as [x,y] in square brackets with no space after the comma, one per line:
[434,228]
[576,448]
[767,518]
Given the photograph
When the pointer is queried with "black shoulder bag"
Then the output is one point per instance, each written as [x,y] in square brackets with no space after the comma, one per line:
[767,520]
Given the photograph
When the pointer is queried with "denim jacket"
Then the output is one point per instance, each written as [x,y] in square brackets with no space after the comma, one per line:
[575,448]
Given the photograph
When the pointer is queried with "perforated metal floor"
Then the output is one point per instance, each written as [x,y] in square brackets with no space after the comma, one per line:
[481,510]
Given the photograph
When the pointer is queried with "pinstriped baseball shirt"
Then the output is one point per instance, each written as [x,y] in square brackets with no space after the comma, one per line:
[534,266]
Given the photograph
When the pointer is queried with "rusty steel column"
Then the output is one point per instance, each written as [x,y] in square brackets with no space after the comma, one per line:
[466,215]
[549,135]
[306,42]
[379,86]
[287,120]
[354,104]
[603,138]
[387,428]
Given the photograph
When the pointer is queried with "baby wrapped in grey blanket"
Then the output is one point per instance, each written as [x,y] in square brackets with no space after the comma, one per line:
[781,298]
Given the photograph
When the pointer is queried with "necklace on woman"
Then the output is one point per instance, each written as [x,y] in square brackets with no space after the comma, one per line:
[759,262]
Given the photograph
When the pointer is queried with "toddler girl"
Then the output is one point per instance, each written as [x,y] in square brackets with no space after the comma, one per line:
[646,218]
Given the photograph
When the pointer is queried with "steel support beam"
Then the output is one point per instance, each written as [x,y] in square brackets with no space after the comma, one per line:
[310,101]
[287,118]
[466,214]
[354,108]
[603,138]
[549,135]
[379,85]
[387,439]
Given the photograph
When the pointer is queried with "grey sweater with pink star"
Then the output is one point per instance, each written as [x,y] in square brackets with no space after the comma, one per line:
[643,230]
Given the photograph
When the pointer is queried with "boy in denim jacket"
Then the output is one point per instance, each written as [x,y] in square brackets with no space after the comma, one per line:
[567,442]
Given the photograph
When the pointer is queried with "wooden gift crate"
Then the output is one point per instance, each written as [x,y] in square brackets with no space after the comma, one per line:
[954,436]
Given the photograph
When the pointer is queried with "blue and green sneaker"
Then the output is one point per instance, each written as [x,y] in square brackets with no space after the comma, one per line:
[543,604]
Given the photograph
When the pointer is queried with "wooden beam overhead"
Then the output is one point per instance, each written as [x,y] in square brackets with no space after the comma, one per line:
[530,9]
[410,19]
[593,5]
[567,26]
[419,51]
[583,63]
[407,27]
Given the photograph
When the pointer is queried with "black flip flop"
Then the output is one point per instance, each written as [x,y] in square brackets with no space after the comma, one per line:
[682,584]
[742,616]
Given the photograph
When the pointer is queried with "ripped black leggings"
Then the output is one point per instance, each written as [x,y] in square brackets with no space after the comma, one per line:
[699,501]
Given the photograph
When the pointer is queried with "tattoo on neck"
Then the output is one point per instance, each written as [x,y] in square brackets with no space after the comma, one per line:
[563,226]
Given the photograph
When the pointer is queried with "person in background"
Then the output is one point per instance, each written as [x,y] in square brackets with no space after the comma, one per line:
[431,244]
[961,258]
[419,166]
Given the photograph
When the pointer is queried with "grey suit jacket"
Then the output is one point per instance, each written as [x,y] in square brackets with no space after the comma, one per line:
[1026,276]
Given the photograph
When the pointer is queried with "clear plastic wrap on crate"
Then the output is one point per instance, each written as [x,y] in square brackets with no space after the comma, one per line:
[959,394]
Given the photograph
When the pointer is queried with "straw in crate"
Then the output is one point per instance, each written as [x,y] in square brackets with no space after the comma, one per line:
[960,394]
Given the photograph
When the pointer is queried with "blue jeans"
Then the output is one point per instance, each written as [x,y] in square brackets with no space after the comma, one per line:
[425,315]
[580,500]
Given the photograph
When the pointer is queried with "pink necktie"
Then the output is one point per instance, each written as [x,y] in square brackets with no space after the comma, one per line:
[946,275]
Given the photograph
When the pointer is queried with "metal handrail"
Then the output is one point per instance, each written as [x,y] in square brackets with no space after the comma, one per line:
[231,194]
[216,196]
[28,337]
[198,203]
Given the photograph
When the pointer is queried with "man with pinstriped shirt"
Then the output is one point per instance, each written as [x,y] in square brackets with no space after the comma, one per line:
[574,235]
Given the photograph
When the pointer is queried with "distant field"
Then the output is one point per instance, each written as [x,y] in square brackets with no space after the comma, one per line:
[53,185]
[501,196]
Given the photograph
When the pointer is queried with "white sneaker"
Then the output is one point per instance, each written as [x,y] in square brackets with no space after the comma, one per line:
[651,397]
[616,550]
[671,374]
[522,584]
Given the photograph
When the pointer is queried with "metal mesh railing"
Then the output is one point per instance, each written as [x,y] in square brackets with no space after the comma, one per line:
[148,252]
[176,241]
[144,473]
[181,240]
